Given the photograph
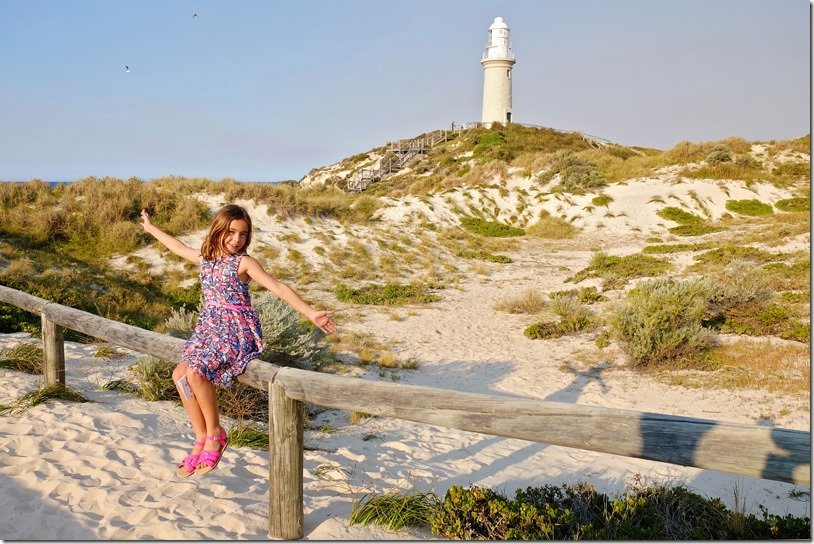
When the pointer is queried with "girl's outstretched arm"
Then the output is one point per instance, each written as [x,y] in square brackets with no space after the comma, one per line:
[320,318]
[173,244]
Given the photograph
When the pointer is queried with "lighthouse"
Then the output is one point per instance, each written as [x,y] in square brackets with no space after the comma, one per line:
[497,62]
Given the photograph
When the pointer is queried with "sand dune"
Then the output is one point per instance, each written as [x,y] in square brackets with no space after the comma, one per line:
[105,470]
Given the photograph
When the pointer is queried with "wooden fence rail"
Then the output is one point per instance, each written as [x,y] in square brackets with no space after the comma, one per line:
[748,450]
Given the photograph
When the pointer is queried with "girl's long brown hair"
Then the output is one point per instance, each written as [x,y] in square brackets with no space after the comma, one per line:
[213,243]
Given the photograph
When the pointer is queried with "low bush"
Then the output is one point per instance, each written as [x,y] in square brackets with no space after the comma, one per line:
[751,207]
[385,295]
[579,512]
[287,340]
[577,174]
[797,204]
[689,224]
[601,200]
[574,318]
[616,271]
[661,322]
[491,229]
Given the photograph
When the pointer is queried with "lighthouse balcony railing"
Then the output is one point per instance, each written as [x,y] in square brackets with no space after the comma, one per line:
[503,55]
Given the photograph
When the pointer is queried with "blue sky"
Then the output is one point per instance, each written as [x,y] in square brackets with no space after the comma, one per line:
[266,90]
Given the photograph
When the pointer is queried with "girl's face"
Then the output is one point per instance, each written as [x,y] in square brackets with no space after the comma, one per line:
[234,239]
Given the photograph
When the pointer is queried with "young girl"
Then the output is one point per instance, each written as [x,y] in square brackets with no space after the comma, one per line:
[227,335]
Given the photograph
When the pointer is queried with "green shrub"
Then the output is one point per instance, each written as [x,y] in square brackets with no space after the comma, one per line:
[579,512]
[693,230]
[798,204]
[721,153]
[661,322]
[616,271]
[601,200]
[180,323]
[491,229]
[749,207]
[577,175]
[682,217]
[574,317]
[287,341]
[385,295]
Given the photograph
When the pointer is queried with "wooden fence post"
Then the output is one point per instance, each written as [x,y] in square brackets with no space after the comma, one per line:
[285,465]
[54,353]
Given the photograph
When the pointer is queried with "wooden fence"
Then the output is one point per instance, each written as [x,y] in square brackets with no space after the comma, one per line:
[749,450]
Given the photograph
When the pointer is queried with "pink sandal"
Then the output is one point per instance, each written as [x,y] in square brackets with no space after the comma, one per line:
[187,466]
[208,460]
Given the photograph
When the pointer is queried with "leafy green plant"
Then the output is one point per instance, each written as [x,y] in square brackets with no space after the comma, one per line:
[287,341]
[386,295]
[577,174]
[751,207]
[574,318]
[492,229]
[797,204]
[616,271]
[661,322]
[601,200]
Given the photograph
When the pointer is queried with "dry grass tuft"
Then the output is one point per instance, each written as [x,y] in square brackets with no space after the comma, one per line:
[527,302]
[750,363]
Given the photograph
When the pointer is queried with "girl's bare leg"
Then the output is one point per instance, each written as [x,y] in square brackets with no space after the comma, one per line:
[192,408]
[208,407]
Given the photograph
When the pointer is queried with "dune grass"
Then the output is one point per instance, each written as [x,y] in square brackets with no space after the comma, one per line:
[24,357]
[552,228]
[39,396]
[754,364]
[527,302]
[617,271]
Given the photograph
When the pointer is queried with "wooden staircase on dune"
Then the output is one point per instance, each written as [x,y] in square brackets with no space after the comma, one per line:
[398,155]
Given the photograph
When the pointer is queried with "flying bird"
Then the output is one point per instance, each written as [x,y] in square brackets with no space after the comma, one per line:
[126,69]
[194,15]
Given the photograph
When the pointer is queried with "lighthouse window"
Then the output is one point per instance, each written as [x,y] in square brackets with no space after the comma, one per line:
[508,73]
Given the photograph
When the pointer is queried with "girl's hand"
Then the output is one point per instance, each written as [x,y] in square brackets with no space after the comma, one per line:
[145,221]
[323,320]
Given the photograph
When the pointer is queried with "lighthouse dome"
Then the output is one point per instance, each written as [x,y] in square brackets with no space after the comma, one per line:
[499,23]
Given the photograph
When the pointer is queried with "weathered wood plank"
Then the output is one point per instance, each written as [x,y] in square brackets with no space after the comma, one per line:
[258,373]
[286,518]
[53,348]
[22,300]
[749,450]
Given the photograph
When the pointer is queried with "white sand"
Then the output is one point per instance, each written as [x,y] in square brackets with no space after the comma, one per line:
[106,470]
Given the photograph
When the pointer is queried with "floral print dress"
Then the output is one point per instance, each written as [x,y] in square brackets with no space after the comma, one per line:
[227,335]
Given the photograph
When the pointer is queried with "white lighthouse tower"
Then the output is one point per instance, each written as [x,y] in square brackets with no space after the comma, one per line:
[497,75]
